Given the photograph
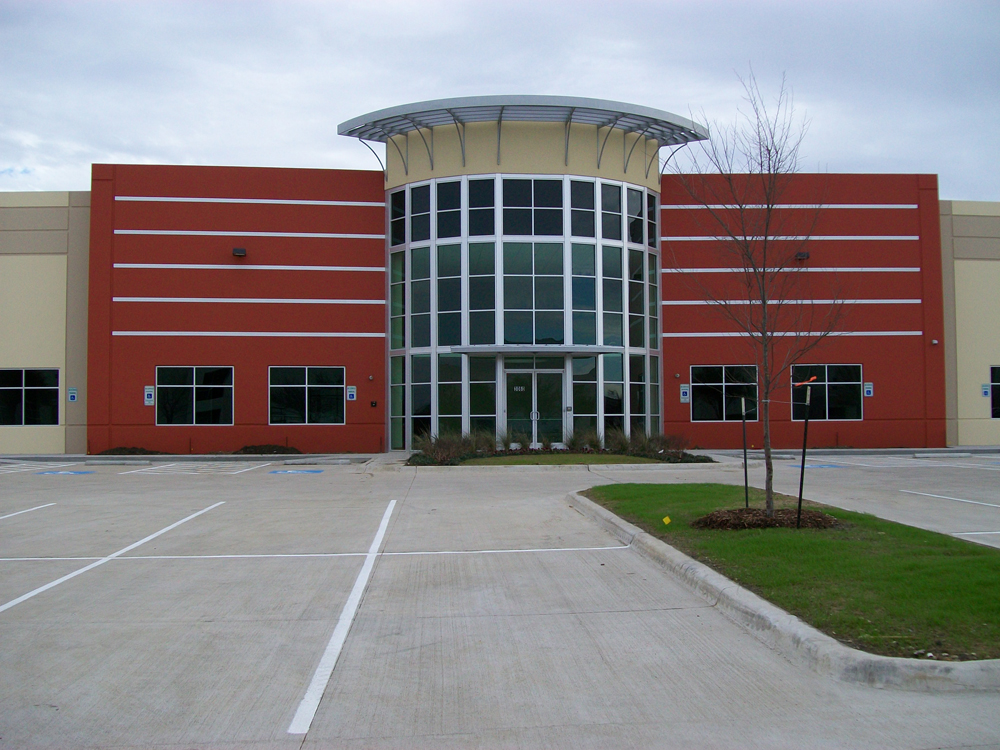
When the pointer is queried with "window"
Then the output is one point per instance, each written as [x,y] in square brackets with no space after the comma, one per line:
[584,395]
[532,207]
[449,297]
[581,197]
[611,272]
[29,397]
[611,212]
[584,295]
[397,403]
[717,393]
[397,300]
[482,293]
[420,213]
[397,218]
[636,329]
[614,393]
[637,392]
[481,214]
[533,293]
[652,277]
[995,392]
[194,395]
[420,393]
[654,395]
[635,222]
[306,395]
[835,394]
[449,209]
[449,394]
[651,215]
[420,296]
[483,394]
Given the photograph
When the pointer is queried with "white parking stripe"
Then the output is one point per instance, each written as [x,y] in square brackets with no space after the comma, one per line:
[75,573]
[37,507]
[974,533]
[314,693]
[956,499]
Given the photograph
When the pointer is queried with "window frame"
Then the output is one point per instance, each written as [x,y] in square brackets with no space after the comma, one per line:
[994,392]
[305,388]
[724,384]
[23,389]
[193,387]
[826,386]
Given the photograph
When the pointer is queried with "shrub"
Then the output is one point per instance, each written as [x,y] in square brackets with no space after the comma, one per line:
[616,441]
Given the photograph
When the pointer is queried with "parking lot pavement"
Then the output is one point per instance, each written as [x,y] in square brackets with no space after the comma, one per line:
[958,496]
[473,608]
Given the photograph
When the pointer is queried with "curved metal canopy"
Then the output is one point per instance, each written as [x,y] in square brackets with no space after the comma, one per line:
[665,128]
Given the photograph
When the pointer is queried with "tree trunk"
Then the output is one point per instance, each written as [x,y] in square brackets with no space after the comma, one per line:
[765,402]
[768,465]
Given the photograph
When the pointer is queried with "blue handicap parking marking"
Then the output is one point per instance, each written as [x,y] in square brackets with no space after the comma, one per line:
[296,471]
[64,472]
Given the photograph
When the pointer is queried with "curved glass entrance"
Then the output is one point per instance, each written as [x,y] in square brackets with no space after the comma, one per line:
[534,407]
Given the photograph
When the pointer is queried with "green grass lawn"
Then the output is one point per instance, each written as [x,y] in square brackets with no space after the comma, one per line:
[873,584]
[551,459]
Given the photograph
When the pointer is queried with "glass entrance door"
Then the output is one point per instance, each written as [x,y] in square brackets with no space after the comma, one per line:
[535,407]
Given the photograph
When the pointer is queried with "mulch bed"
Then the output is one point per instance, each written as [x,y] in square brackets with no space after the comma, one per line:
[756,518]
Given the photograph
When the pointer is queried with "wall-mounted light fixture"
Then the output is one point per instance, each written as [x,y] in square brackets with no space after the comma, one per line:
[240,252]
[802,256]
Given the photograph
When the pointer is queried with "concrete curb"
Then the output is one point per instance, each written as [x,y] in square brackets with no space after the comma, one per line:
[788,635]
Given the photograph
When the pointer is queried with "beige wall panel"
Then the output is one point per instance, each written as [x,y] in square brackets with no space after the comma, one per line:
[33,311]
[977,226]
[36,439]
[32,219]
[525,148]
[978,431]
[41,199]
[977,317]
[77,285]
[76,439]
[79,198]
[975,208]
[974,248]
[35,243]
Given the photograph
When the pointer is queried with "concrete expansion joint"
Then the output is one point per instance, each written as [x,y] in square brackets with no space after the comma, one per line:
[798,642]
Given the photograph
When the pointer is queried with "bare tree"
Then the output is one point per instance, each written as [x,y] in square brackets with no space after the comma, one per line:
[741,179]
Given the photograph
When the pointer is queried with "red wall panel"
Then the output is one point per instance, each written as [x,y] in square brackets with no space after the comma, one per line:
[907,371]
[202,233]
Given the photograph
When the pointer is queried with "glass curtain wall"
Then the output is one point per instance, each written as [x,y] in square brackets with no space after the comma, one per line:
[489,272]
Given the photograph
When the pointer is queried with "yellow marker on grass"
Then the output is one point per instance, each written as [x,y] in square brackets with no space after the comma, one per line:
[666,520]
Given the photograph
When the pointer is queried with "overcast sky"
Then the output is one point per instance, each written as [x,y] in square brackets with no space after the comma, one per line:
[887,87]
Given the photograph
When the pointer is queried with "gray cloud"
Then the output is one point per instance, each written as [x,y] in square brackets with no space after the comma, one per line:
[888,87]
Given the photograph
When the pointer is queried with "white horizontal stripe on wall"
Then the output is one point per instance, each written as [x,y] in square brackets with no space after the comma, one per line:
[256,334]
[824,269]
[717,206]
[803,238]
[233,266]
[200,233]
[268,201]
[737,334]
[794,302]
[254,300]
